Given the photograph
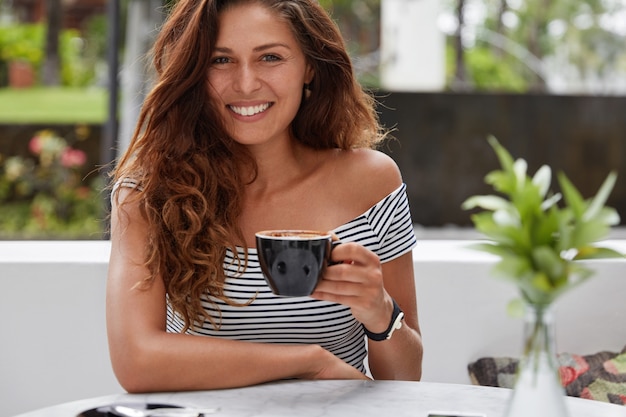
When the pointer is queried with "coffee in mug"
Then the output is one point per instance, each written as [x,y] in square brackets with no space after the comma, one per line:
[292,261]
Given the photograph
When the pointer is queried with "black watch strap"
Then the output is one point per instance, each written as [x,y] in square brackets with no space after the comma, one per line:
[395,324]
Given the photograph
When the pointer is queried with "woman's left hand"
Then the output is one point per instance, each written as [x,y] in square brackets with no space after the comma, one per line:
[356,280]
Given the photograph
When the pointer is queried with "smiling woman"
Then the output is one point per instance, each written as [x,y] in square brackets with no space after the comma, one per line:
[256,123]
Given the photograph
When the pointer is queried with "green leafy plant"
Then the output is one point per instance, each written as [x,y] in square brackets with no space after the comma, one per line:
[538,241]
[486,71]
[22,42]
[80,57]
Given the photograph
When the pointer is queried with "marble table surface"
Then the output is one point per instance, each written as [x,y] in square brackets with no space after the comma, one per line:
[334,398]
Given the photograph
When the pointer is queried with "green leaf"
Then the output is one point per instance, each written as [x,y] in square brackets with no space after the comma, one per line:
[542,180]
[486,202]
[505,158]
[565,233]
[483,222]
[501,181]
[515,308]
[585,233]
[505,235]
[491,248]
[536,289]
[600,199]
[551,201]
[547,261]
[594,252]
[608,216]
[572,197]
[577,274]
[507,217]
[545,229]
[513,266]
[542,282]
[528,201]
[520,167]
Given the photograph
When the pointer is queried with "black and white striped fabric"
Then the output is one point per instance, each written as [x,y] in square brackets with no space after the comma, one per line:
[386,229]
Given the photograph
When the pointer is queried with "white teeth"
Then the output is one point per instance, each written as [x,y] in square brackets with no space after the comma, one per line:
[250,111]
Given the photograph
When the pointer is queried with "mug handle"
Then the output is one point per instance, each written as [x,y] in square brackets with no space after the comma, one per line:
[333,245]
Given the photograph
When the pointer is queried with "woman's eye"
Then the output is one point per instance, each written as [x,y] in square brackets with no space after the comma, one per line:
[271,58]
[220,60]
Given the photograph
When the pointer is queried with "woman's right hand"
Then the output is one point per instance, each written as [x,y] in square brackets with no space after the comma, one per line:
[329,366]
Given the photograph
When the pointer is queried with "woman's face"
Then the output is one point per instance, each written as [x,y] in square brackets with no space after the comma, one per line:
[257,74]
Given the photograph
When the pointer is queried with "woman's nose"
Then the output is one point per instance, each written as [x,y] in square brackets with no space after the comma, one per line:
[246,80]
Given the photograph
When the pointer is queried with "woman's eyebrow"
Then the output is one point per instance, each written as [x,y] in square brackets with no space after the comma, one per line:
[260,48]
[270,46]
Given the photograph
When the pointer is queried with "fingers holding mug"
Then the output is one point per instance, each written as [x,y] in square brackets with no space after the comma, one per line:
[352,253]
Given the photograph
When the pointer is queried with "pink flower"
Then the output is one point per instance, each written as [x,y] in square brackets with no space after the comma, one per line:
[568,375]
[573,367]
[73,158]
[35,145]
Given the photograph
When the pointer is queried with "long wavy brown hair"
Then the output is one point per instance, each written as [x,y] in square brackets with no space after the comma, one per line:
[189,169]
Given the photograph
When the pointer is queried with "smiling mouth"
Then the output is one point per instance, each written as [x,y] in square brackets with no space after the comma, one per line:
[250,110]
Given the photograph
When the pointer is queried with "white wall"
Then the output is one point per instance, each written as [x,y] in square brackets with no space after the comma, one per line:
[54,348]
[412,47]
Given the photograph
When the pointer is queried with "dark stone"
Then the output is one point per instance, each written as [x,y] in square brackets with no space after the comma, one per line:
[443,154]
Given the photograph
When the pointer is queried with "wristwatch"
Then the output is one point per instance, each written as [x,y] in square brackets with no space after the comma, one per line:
[395,324]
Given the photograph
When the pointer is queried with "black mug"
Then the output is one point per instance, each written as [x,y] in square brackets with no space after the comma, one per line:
[292,261]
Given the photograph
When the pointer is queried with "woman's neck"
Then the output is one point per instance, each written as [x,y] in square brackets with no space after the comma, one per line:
[281,164]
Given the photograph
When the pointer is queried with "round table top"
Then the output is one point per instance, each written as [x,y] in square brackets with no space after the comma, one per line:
[334,398]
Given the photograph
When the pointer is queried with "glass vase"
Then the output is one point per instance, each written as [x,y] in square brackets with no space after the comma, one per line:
[538,390]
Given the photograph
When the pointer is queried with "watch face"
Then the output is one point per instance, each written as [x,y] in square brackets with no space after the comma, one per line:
[397,325]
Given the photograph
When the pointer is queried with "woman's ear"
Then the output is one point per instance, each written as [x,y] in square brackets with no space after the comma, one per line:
[309,73]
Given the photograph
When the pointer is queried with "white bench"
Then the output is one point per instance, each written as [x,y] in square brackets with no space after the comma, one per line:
[53,328]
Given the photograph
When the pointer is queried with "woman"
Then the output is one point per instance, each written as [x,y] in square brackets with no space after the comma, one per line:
[256,122]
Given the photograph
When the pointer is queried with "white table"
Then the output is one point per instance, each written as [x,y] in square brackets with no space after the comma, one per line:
[336,398]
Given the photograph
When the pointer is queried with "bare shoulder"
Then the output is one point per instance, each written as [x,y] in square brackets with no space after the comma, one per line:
[372,167]
[367,175]
[126,212]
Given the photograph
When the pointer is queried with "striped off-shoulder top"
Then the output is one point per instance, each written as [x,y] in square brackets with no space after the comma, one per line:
[386,229]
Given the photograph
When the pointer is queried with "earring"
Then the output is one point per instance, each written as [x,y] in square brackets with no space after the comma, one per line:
[307,90]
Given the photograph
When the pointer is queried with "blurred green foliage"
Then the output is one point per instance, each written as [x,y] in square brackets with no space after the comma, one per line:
[80,55]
